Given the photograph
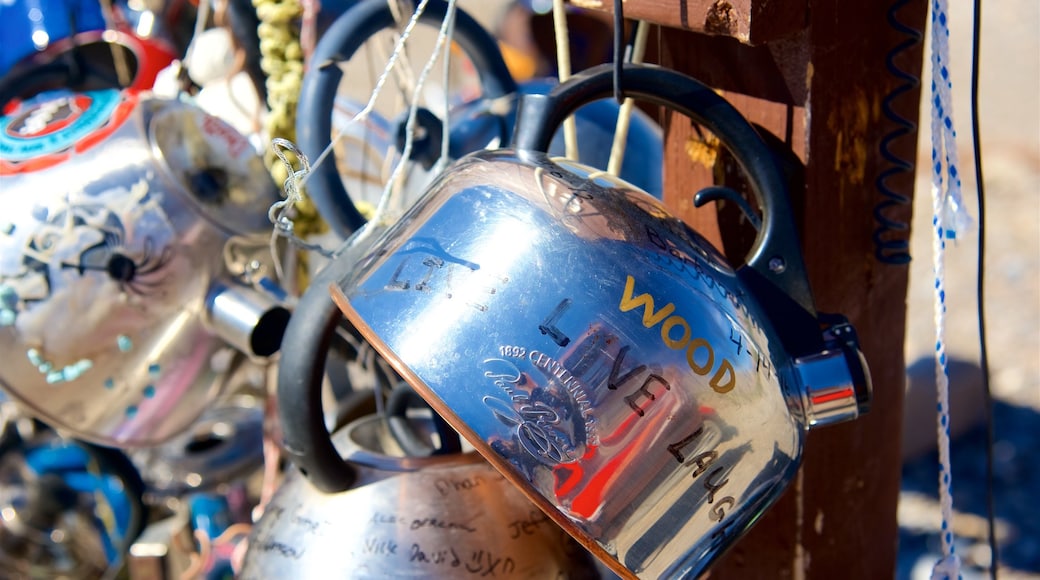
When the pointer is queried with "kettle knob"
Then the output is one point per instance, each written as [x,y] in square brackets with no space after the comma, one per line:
[835,382]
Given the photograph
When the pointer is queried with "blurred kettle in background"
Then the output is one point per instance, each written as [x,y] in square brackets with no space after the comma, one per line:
[69,509]
[134,262]
[67,44]
[433,516]
[482,103]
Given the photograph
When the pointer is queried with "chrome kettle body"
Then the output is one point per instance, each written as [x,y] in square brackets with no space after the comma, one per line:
[121,300]
[440,516]
[649,396]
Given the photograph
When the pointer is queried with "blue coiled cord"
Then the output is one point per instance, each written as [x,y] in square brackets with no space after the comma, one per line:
[888,249]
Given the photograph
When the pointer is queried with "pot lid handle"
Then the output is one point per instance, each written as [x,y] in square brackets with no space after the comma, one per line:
[775,255]
[321,83]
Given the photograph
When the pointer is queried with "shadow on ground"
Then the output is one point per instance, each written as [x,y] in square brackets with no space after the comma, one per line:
[1017,500]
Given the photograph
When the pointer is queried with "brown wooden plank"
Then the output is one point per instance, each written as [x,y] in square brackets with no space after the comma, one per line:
[852,472]
[748,21]
[775,72]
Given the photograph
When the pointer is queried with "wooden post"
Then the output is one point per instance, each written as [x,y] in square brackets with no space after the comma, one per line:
[817,76]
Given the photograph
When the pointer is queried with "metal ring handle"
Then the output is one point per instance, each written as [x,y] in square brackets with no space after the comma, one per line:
[775,256]
[321,82]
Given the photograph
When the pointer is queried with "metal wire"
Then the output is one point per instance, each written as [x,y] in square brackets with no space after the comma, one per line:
[980,293]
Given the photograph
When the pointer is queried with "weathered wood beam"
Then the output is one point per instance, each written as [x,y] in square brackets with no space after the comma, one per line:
[821,87]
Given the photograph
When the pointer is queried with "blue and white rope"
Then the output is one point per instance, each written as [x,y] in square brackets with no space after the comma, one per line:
[948,217]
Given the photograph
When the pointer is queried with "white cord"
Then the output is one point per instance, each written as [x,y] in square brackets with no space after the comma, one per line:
[201,19]
[445,158]
[380,82]
[388,208]
[563,64]
[948,216]
[118,57]
[617,150]
[283,225]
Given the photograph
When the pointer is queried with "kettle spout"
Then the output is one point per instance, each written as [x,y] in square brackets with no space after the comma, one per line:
[836,385]
[249,320]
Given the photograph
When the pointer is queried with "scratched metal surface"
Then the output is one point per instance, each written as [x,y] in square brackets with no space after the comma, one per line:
[517,278]
[442,516]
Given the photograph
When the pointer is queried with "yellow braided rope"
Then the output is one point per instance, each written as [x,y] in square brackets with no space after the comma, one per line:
[282,62]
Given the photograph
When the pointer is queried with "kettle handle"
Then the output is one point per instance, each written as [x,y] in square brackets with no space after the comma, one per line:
[775,256]
[301,370]
[401,429]
[321,83]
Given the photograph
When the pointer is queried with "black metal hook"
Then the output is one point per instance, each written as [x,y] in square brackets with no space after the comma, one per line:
[719,193]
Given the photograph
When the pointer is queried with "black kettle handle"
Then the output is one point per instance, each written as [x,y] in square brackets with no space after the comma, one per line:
[320,84]
[301,370]
[775,256]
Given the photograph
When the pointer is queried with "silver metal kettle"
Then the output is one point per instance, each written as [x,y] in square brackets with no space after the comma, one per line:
[647,395]
[133,262]
[363,503]
[436,516]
